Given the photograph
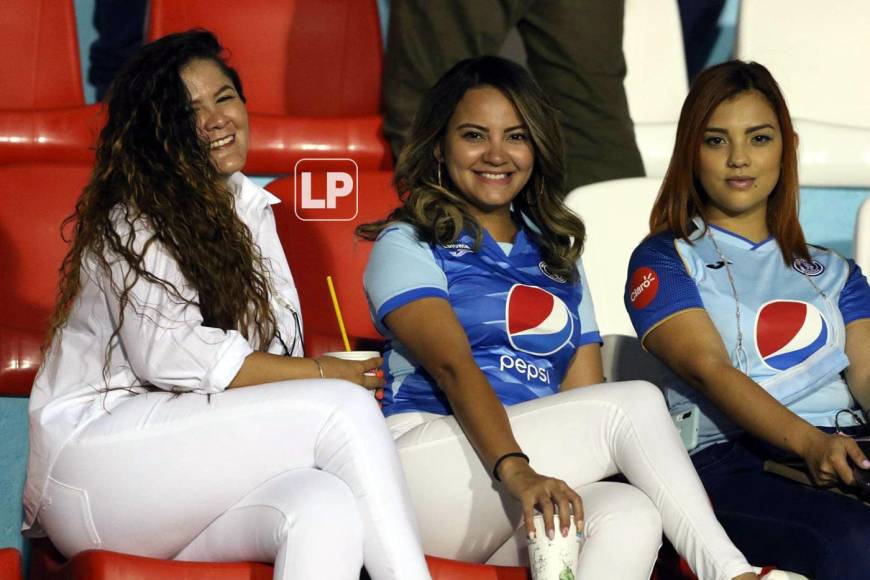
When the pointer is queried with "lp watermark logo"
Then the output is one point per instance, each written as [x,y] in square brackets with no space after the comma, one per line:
[325,190]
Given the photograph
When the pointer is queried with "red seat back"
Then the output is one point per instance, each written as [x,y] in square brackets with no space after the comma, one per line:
[34,201]
[295,57]
[316,249]
[39,55]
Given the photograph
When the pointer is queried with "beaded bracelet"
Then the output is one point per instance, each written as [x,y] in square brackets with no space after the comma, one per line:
[495,475]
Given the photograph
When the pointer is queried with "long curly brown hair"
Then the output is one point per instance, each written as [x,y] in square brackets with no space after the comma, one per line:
[439,213]
[153,183]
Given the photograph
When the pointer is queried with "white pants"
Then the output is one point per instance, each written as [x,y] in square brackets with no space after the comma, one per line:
[300,473]
[580,436]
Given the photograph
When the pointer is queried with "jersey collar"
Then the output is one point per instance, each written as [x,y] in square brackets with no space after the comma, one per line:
[729,238]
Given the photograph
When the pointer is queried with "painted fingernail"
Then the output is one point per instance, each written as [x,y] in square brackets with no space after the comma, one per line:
[532,535]
[551,534]
[564,532]
[865,464]
[379,394]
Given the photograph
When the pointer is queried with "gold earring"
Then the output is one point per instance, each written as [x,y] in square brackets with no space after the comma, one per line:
[439,175]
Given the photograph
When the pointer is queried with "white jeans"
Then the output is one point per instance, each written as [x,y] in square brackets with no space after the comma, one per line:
[300,473]
[580,436]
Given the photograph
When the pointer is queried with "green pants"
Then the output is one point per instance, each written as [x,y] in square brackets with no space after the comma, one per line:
[574,51]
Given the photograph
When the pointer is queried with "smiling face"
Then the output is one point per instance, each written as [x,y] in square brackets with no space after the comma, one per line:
[740,157]
[221,116]
[487,151]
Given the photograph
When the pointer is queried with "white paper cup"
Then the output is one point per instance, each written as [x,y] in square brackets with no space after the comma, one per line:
[356,355]
[554,559]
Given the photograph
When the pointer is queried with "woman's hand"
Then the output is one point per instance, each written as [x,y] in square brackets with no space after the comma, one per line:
[827,457]
[366,373]
[550,495]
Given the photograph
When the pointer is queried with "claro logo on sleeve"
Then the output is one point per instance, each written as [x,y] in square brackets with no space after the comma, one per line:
[644,286]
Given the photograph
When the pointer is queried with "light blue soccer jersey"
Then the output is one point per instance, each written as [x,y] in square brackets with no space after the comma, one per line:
[523,324]
[792,317]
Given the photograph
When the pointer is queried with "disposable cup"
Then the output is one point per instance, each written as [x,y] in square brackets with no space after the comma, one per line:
[554,559]
[356,355]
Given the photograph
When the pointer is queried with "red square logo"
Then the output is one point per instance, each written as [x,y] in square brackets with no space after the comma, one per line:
[326,190]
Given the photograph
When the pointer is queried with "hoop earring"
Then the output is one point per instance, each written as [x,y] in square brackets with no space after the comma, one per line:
[439,175]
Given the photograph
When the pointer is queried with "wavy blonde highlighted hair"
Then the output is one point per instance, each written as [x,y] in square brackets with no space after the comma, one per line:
[439,212]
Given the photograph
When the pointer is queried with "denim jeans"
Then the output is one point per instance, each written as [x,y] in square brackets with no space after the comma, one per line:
[775,521]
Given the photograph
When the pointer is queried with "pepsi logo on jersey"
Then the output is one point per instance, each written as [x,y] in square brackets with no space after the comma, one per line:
[537,322]
[787,332]
[644,284]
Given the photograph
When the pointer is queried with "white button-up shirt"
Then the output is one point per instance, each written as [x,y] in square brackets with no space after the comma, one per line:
[163,341]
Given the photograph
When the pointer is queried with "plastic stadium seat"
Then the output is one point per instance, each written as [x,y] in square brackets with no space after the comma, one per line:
[311,73]
[316,249]
[611,236]
[816,56]
[39,55]
[34,201]
[656,81]
[43,116]
[48,564]
[10,564]
[862,237]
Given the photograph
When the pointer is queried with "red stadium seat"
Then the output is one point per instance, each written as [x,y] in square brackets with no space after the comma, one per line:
[316,249]
[35,200]
[43,116]
[308,58]
[10,564]
[311,72]
[39,55]
[46,563]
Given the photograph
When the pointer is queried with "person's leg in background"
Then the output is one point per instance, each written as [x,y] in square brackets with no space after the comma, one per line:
[700,22]
[425,39]
[776,521]
[575,53]
[120,27]
[149,477]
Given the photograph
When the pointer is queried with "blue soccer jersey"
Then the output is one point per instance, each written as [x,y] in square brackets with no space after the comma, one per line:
[523,323]
[792,318]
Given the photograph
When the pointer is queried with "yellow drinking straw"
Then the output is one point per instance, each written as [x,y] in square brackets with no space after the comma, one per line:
[338,313]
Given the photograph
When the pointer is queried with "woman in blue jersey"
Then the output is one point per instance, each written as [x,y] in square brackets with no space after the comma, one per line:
[770,336]
[493,359]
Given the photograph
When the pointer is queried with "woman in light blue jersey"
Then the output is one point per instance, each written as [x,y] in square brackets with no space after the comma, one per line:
[493,365]
[770,336]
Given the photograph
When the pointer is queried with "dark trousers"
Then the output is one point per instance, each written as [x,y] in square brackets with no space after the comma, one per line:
[574,51]
[120,26]
[775,521]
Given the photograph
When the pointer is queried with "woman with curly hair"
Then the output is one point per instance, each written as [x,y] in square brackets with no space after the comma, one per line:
[493,365]
[174,296]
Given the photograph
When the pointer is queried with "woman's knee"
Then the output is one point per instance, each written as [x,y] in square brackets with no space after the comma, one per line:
[623,512]
[311,499]
[640,396]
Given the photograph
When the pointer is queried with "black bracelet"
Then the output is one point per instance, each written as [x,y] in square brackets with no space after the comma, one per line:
[507,456]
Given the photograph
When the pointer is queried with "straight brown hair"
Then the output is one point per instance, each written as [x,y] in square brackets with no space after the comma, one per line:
[682,197]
